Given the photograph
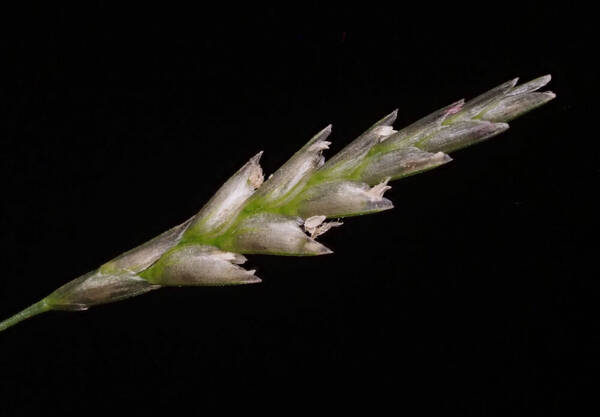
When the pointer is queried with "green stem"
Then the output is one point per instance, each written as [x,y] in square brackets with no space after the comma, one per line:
[33,310]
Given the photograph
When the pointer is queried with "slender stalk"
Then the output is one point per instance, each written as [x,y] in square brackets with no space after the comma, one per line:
[33,310]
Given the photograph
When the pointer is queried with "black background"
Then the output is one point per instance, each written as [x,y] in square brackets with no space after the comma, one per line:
[475,296]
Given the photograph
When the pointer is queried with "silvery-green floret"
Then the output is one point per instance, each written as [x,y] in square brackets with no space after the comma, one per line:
[201,265]
[400,163]
[460,134]
[141,257]
[295,171]
[274,234]
[512,107]
[414,132]
[475,106]
[345,161]
[229,200]
[530,86]
[96,288]
[341,198]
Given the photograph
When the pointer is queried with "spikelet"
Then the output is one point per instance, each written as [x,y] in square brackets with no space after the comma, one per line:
[286,213]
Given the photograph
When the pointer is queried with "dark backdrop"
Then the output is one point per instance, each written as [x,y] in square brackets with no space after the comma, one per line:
[475,296]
